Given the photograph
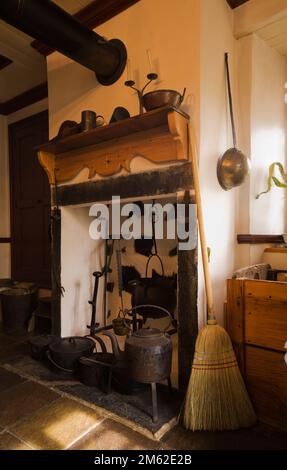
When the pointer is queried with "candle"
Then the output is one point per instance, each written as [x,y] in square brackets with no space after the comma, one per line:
[149,59]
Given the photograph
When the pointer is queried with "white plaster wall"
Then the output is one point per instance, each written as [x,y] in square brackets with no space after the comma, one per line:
[215,137]
[83,257]
[268,140]
[262,134]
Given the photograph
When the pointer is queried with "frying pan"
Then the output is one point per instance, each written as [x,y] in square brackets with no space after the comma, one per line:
[233,166]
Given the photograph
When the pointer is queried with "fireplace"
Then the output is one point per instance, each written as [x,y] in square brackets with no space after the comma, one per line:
[93,167]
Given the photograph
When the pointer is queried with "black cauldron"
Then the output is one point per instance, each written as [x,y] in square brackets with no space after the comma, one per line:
[64,353]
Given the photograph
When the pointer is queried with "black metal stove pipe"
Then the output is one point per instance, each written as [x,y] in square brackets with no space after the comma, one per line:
[45,21]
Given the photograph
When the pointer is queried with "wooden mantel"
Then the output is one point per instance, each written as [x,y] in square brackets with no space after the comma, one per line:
[159,136]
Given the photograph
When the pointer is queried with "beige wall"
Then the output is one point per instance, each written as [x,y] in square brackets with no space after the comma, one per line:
[188,43]
[244,101]
[171,34]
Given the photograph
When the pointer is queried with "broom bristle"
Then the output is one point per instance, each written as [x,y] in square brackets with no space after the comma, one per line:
[216,397]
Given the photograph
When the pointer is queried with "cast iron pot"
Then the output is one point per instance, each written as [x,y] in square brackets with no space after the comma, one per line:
[39,346]
[96,370]
[159,292]
[64,353]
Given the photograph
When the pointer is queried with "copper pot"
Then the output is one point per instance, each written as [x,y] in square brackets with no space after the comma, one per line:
[158,98]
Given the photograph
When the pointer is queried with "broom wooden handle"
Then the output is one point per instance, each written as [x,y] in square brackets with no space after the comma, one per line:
[207,279]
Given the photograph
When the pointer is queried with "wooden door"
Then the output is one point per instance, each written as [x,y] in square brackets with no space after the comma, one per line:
[30,202]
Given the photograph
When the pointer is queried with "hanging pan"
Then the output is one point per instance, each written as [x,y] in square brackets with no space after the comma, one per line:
[233,166]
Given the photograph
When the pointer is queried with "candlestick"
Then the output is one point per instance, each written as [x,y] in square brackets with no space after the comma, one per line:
[128,69]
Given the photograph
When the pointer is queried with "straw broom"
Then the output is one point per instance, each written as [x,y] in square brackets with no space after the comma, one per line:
[216,397]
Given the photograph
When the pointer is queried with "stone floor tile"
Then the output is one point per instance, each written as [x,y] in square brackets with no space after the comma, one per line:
[8,379]
[9,442]
[111,435]
[10,348]
[21,400]
[58,425]
[6,342]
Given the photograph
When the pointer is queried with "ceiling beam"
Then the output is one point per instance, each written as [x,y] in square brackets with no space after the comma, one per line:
[92,16]
[256,14]
[31,96]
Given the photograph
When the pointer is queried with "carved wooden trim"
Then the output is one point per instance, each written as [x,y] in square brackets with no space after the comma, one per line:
[159,136]
[47,161]
[93,15]
[257,239]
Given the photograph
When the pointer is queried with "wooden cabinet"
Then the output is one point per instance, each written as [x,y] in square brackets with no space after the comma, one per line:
[257,324]
[266,376]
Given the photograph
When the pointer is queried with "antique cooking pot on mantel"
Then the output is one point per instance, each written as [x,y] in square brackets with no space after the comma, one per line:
[148,354]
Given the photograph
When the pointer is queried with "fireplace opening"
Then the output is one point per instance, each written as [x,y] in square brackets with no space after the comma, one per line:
[132,273]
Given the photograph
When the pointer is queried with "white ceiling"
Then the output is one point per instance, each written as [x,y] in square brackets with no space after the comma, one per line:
[275,35]
[29,67]
[267,18]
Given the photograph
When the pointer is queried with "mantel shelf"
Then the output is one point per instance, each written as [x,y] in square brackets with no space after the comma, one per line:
[159,136]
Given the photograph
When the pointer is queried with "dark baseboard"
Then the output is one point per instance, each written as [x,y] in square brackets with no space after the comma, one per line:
[257,239]
[5,240]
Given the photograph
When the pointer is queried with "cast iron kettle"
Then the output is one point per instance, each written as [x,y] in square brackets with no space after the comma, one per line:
[148,354]
[233,167]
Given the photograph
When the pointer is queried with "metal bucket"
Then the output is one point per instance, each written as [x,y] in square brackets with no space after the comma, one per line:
[18,305]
